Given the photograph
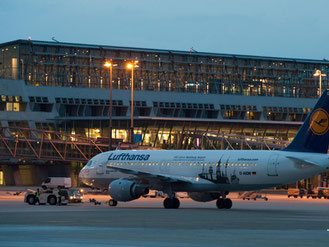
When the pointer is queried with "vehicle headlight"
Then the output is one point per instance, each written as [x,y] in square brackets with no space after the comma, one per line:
[71,197]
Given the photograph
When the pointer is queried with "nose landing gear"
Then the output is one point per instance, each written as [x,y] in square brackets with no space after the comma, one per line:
[112,203]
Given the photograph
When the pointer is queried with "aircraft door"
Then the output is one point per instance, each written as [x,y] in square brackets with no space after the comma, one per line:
[164,167]
[272,165]
[100,168]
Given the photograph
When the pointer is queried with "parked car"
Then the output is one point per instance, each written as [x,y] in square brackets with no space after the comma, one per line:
[75,195]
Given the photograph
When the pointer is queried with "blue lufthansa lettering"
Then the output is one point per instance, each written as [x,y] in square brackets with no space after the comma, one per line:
[127,156]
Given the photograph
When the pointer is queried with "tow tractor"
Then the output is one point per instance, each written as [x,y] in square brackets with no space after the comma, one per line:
[46,196]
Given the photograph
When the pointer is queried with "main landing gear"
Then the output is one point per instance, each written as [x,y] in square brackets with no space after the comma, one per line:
[112,203]
[171,203]
[224,202]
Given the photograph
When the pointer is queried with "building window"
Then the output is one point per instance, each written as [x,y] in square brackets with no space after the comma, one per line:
[2,182]
[12,106]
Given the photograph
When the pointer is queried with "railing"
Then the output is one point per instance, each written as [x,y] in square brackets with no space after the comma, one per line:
[45,145]
[229,140]
[37,145]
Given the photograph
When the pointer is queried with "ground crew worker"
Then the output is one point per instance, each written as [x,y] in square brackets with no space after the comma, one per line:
[59,197]
[37,197]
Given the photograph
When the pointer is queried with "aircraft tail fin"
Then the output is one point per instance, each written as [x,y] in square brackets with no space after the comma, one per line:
[313,135]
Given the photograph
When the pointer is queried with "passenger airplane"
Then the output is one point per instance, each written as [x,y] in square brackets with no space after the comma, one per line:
[208,175]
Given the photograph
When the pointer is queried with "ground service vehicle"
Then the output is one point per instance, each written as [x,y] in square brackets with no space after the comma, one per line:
[209,175]
[46,196]
[319,192]
[75,195]
[252,195]
[296,192]
[57,182]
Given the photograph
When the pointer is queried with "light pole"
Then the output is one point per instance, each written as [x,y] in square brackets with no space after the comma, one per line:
[319,74]
[110,65]
[131,66]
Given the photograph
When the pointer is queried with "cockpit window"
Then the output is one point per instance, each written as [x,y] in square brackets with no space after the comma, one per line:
[89,163]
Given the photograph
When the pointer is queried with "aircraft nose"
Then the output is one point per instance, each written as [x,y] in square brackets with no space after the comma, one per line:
[84,175]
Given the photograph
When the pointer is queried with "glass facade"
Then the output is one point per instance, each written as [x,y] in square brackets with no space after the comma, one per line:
[75,65]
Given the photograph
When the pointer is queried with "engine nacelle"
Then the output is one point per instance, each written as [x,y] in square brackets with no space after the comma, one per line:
[125,190]
[204,196]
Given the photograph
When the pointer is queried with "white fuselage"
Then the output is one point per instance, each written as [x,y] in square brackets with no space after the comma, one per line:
[207,170]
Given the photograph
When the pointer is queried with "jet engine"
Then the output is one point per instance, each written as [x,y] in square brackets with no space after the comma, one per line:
[203,196]
[126,190]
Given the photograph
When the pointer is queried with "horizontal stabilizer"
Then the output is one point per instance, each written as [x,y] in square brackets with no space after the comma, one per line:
[303,163]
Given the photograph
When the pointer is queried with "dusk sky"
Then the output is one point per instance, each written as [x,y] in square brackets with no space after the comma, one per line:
[284,28]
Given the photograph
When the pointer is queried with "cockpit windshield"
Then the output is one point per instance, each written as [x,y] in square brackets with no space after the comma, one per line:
[90,162]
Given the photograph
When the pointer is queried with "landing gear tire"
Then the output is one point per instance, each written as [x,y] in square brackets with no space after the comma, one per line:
[228,203]
[224,203]
[113,203]
[171,203]
[220,203]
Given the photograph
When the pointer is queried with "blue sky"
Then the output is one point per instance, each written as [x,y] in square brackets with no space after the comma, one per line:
[284,28]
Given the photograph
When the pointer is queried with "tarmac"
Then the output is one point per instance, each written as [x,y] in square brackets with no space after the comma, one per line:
[144,222]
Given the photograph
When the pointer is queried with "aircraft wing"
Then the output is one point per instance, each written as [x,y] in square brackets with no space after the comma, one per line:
[153,176]
[306,163]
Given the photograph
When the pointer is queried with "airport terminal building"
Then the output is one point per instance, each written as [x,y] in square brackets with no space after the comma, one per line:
[179,97]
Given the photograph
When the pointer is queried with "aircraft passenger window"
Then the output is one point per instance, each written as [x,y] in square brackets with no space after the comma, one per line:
[162,163]
[236,164]
[142,163]
[243,164]
[157,163]
[251,164]
[201,164]
[179,163]
[247,164]
[121,164]
[239,164]
[150,164]
[205,164]
[216,163]
[197,164]
[168,164]
[110,163]
[175,163]
[255,164]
